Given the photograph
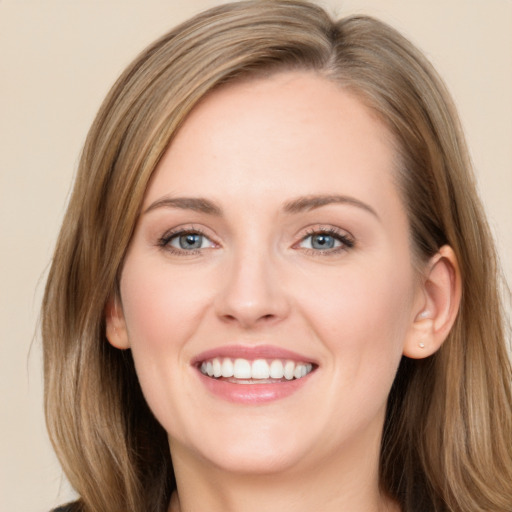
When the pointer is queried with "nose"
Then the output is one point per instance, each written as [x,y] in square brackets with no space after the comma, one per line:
[252,293]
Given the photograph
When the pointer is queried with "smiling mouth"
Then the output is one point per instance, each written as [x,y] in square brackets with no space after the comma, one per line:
[258,371]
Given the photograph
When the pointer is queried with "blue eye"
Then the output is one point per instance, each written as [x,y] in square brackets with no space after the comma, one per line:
[325,241]
[186,241]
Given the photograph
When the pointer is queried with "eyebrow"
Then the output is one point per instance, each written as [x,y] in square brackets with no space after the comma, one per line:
[307,203]
[197,204]
[300,204]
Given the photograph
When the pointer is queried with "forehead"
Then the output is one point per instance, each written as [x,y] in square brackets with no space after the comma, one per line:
[291,133]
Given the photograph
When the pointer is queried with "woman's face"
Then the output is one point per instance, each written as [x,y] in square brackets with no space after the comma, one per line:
[272,243]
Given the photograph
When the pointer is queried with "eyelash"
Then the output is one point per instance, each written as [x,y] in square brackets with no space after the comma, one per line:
[346,241]
[165,240]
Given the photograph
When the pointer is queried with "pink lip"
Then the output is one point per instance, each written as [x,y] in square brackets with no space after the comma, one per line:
[251,394]
[251,353]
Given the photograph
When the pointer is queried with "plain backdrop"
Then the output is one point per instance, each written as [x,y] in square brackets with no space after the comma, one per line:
[58,59]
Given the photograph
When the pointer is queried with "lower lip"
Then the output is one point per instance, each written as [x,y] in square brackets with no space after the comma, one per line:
[252,393]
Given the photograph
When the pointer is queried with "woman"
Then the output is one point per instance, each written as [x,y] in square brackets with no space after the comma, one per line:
[274,286]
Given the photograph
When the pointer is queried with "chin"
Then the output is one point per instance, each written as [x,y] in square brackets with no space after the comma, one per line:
[251,450]
[244,461]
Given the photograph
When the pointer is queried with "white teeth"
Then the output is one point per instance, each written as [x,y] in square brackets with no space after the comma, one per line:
[242,369]
[227,368]
[289,368]
[217,372]
[259,369]
[276,369]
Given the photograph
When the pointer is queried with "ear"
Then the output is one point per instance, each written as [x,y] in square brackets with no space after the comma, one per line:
[437,310]
[117,334]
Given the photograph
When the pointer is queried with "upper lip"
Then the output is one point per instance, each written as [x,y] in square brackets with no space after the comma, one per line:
[251,352]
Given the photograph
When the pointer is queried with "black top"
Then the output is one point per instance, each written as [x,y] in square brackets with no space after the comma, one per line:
[65,508]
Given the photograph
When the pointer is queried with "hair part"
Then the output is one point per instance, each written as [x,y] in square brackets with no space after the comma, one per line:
[446,441]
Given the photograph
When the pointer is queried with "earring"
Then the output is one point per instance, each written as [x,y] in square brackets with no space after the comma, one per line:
[424,314]
[421,345]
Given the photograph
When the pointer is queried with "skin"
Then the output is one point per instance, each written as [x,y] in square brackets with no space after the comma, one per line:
[251,149]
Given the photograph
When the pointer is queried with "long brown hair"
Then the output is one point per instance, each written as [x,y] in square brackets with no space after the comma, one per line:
[447,440]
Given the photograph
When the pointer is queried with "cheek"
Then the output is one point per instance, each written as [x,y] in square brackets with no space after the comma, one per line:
[361,316]
[364,316]
[161,312]
[161,308]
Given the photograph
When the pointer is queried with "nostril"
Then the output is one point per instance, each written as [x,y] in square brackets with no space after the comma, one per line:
[248,320]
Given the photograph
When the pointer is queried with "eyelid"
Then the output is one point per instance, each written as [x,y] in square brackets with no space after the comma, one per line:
[346,239]
[163,242]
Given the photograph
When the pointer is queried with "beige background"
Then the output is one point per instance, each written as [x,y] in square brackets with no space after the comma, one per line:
[57,61]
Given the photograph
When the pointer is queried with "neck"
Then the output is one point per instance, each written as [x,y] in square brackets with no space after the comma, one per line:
[257,498]
[346,483]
